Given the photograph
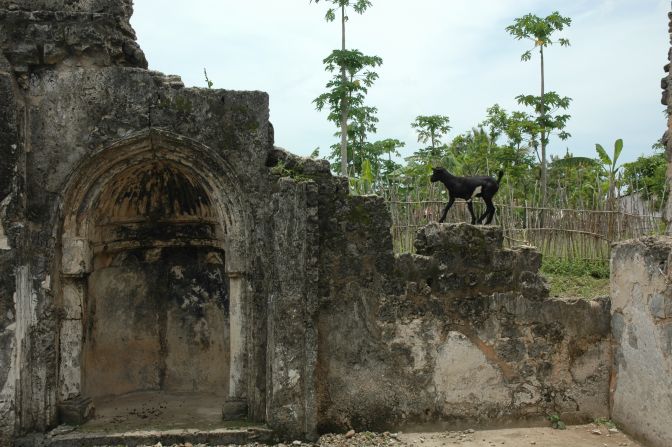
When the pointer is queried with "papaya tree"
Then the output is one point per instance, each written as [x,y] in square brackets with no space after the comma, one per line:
[540,31]
[341,90]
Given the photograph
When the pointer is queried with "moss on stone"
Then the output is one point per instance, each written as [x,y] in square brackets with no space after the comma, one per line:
[283,170]
[359,215]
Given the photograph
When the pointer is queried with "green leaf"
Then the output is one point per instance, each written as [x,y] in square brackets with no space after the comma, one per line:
[618,148]
[604,157]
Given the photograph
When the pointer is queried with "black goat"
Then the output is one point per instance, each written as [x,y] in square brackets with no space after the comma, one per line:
[467,188]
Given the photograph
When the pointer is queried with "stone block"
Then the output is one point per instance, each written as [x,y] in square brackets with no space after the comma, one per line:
[76,411]
[437,238]
[235,256]
[77,257]
[73,297]
[70,366]
[234,410]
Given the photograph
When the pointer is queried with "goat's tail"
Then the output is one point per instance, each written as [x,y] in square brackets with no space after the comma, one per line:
[499,176]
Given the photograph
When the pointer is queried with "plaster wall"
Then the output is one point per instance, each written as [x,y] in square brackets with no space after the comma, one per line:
[641,288]
[331,330]
[461,333]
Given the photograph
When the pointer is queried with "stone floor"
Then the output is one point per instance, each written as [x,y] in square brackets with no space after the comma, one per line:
[144,418]
[159,410]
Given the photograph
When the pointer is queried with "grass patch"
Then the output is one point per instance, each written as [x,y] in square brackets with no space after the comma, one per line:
[606,422]
[576,278]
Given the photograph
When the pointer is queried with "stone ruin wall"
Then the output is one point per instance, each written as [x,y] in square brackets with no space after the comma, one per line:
[641,290]
[461,333]
[83,125]
[666,85]
[641,294]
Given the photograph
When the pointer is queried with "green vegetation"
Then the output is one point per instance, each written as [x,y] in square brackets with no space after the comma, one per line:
[576,278]
[208,82]
[346,91]
[567,206]
[283,171]
[540,31]
[556,422]
[646,176]
[605,421]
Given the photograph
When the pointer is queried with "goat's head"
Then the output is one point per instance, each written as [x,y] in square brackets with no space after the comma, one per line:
[438,174]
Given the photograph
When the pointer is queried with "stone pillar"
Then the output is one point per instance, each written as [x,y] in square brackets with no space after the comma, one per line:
[641,293]
[75,268]
[236,406]
[237,337]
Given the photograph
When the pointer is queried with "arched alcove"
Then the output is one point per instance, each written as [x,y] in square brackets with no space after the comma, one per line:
[157,314]
[153,265]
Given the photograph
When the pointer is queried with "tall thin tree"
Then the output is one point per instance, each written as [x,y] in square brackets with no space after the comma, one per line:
[359,6]
[540,31]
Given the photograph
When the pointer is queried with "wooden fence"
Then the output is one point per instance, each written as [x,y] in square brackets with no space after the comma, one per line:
[556,232]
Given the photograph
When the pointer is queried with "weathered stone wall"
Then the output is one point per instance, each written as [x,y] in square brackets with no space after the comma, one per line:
[641,290]
[462,332]
[153,314]
[666,85]
[77,109]
[12,171]
[292,307]
[37,34]
[328,329]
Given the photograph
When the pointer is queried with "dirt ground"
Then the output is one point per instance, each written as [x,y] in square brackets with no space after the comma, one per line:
[573,436]
[163,411]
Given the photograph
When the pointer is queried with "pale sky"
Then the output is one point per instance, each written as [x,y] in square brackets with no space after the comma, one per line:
[448,57]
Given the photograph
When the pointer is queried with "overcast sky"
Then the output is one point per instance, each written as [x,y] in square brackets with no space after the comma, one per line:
[448,57]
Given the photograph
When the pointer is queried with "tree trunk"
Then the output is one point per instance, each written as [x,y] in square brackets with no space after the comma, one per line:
[542,113]
[344,106]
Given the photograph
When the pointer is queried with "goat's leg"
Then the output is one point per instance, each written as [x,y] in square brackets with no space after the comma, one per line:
[492,214]
[485,213]
[489,211]
[470,207]
[445,210]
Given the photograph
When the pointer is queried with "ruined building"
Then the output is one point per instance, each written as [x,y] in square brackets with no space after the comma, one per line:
[153,239]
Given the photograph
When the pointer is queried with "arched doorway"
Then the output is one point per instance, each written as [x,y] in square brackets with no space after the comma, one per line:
[152,274]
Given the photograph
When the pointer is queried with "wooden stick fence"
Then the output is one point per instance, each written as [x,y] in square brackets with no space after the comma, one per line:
[557,232]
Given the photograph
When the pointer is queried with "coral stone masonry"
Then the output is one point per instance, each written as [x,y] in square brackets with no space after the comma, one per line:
[155,246]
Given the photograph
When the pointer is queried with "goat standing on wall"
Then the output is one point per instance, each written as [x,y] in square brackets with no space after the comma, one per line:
[467,188]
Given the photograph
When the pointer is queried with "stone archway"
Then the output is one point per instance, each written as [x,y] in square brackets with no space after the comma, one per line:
[153,270]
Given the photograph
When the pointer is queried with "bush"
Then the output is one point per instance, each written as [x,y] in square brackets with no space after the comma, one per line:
[598,269]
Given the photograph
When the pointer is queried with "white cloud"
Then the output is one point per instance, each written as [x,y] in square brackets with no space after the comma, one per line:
[440,57]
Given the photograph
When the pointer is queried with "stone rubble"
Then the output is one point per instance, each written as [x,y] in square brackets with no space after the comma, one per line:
[349,439]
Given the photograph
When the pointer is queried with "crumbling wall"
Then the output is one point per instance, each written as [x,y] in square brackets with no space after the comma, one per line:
[11,229]
[77,94]
[641,290]
[44,33]
[332,330]
[462,332]
[666,85]
[292,307]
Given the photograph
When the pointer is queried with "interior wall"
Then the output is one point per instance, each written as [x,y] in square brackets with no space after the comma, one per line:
[157,319]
